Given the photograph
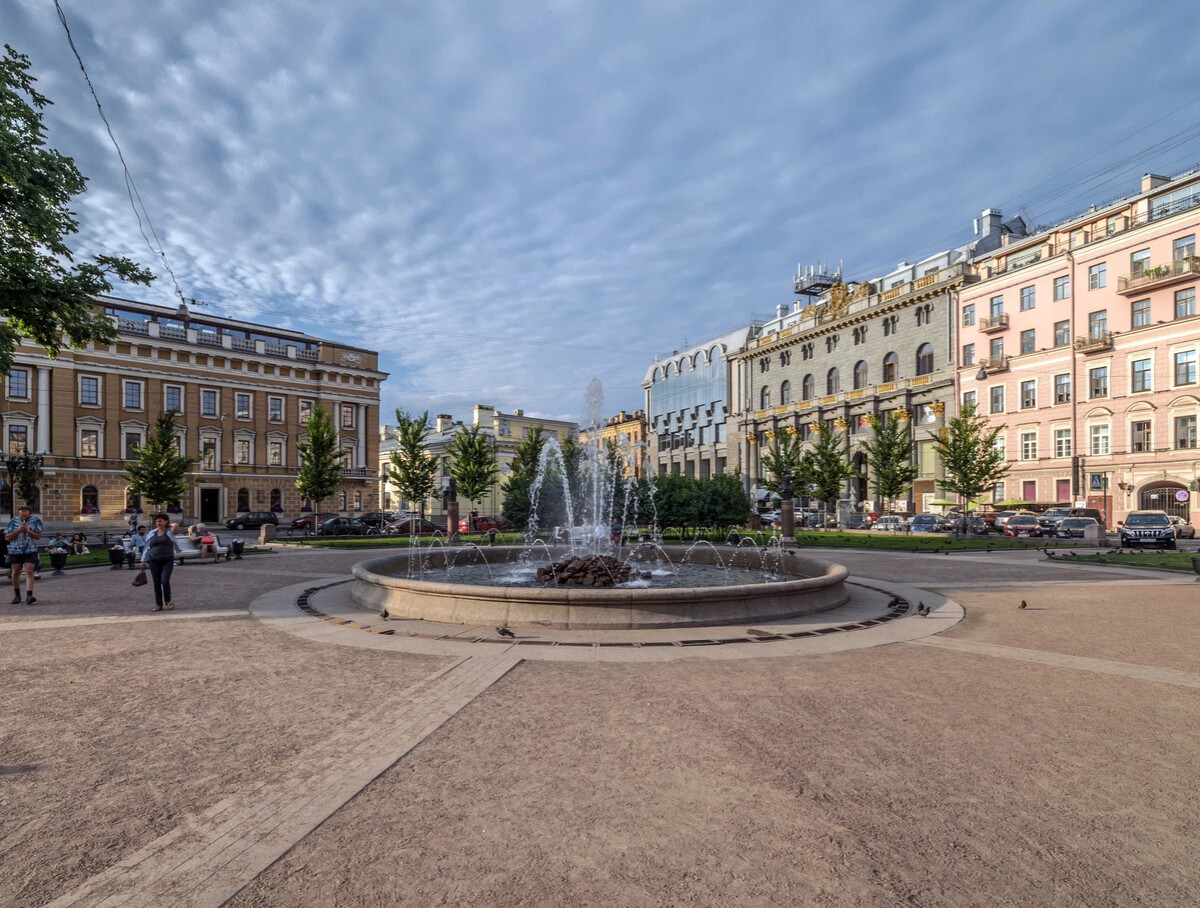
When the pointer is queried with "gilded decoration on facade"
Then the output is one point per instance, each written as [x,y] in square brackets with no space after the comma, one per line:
[939,408]
[904,414]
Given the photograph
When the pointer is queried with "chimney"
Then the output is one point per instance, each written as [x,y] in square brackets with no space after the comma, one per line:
[483,414]
[1153,181]
[444,422]
[781,310]
[988,223]
[518,412]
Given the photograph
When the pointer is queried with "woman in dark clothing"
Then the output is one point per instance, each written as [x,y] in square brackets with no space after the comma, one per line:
[159,556]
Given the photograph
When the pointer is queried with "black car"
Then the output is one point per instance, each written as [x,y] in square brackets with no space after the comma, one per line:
[251,520]
[343,526]
[1073,527]
[1050,520]
[406,526]
[377,518]
[1151,528]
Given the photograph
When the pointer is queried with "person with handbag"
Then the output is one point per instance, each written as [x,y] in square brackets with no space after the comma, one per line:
[204,541]
[159,556]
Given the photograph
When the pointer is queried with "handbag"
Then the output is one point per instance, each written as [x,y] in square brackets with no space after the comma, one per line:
[208,539]
[140,579]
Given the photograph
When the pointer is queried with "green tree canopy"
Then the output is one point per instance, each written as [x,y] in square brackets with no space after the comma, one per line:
[44,294]
[890,458]
[783,457]
[970,459]
[826,467]
[523,468]
[412,467]
[320,470]
[160,472]
[27,478]
[473,463]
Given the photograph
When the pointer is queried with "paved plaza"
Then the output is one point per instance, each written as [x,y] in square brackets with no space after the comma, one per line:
[241,751]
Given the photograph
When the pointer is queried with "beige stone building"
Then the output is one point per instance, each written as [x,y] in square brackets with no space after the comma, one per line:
[243,393]
[628,432]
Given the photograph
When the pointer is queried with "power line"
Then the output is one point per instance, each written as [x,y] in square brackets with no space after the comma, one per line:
[130,187]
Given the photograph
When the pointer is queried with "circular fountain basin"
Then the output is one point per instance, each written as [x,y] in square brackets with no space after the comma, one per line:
[807,585]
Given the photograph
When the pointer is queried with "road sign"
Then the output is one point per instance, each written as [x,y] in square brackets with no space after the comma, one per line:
[1097,483]
[1182,495]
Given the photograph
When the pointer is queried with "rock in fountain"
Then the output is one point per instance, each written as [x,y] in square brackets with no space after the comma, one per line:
[599,570]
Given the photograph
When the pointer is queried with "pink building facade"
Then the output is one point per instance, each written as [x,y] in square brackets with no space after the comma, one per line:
[1083,341]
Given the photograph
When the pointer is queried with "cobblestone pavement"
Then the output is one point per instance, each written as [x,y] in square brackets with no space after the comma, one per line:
[213,756]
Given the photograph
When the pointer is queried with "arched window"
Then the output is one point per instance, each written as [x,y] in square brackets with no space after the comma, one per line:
[924,359]
[133,503]
[89,500]
[342,500]
[276,500]
[808,387]
[785,393]
[243,499]
[860,375]
[891,367]
[358,501]
[833,382]
[764,398]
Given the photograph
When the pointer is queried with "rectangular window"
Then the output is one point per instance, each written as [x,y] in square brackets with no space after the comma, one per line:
[1001,447]
[1185,431]
[133,441]
[1141,375]
[996,348]
[1028,394]
[208,403]
[1099,435]
[1062,333]
[1140,311]
[208,453]
[347,416]
[275,409]
[1098,382]
[1185,302]
[1029,490]
[1184,247]
[241,405]
[89,443]
[1028,343]
[173,398]
[1062,388]
[1029,446]
[1139,261]
[18,384]
[89,391]
[242,449]
[1062,442]
[133,395]
[18,439]
[1098,276]
[1062,288]
[968,354]
[996,306]
[1098,324]
[275,453]
[1139,435]
[1185,368]
[306,411]
[968,400]
[997,398]
[1028,298]
[1076,238]
[968,315]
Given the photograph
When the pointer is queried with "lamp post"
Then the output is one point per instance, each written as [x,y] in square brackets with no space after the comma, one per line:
[787,513]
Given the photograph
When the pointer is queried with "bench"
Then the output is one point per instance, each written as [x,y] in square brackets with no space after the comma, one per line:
[188,549]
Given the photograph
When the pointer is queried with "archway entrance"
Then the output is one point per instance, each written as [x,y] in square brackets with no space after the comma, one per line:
[1160,496]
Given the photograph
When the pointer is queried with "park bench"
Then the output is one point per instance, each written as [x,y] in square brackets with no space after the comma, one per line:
[188,549]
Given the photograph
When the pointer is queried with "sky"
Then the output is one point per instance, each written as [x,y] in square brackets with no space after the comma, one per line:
[510,199]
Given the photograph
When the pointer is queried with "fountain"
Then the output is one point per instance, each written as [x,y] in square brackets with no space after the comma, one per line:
[589,578]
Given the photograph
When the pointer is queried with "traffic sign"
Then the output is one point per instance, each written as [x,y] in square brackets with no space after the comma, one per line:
[1097,484]
[1182,495]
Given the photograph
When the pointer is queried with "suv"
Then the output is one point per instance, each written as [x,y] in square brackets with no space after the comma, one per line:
[1148,528]
[1050,519]
[251,519]
[1094,513]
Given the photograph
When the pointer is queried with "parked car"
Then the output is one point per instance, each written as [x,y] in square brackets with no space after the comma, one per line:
[406,526]
[1073,527]
[892,522]
[343,526]
[251,520]
[1004,517]
[1094,513]
[1151,528]
[481,524]
[377,518]
[1022,525]
[978,526]
[309,520]
[1183,529]
[1050,519]
[860,521]
[925,523]
[771,518]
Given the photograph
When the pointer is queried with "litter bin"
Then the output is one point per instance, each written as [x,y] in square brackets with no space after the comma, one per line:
[116,557]
[237,547]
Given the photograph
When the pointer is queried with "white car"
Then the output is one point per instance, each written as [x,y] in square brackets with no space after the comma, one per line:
[891,522]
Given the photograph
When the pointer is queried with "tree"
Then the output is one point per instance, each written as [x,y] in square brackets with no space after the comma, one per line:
[523,468]
[412,467]
[44,295]
[320,470]
[890,458]
[27,478]
[970,459]
[159,474]
[782,458]
[473,463]
[825,466]
[722,501]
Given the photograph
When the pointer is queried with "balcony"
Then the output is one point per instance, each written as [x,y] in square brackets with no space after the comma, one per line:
[994,364]
[1159,276]
[990,324]
[1094,342]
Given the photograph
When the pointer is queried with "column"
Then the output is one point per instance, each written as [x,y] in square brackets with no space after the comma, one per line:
[362,435]
[43,410]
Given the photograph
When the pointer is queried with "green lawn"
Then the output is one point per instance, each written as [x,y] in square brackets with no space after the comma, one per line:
[1167,561]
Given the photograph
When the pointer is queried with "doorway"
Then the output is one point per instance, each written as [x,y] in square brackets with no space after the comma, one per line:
[210,505]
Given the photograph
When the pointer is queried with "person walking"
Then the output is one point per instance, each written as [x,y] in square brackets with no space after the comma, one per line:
[159,556]
[22,534]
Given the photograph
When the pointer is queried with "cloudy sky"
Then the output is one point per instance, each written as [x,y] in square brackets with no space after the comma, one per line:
[509,199]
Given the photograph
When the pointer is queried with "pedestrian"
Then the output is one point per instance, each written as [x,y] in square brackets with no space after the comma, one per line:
[22,535]
[138,542]
[159,556]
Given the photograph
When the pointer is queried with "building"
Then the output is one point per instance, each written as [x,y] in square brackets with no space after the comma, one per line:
[242,392]
[1082,341]
[627,431]
[844,353]
[507,431]
[687,403]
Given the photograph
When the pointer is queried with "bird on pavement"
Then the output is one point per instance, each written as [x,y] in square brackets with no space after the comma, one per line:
[383,613]
[1023,604]
[922,610]
[893,602]
[505,632]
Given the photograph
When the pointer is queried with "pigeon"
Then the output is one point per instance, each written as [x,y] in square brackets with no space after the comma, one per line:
[893,602]
[505,632]
[1023,604]
[922,610]
[383,613]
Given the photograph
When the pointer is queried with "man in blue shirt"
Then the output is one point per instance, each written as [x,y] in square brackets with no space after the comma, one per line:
[22,535]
